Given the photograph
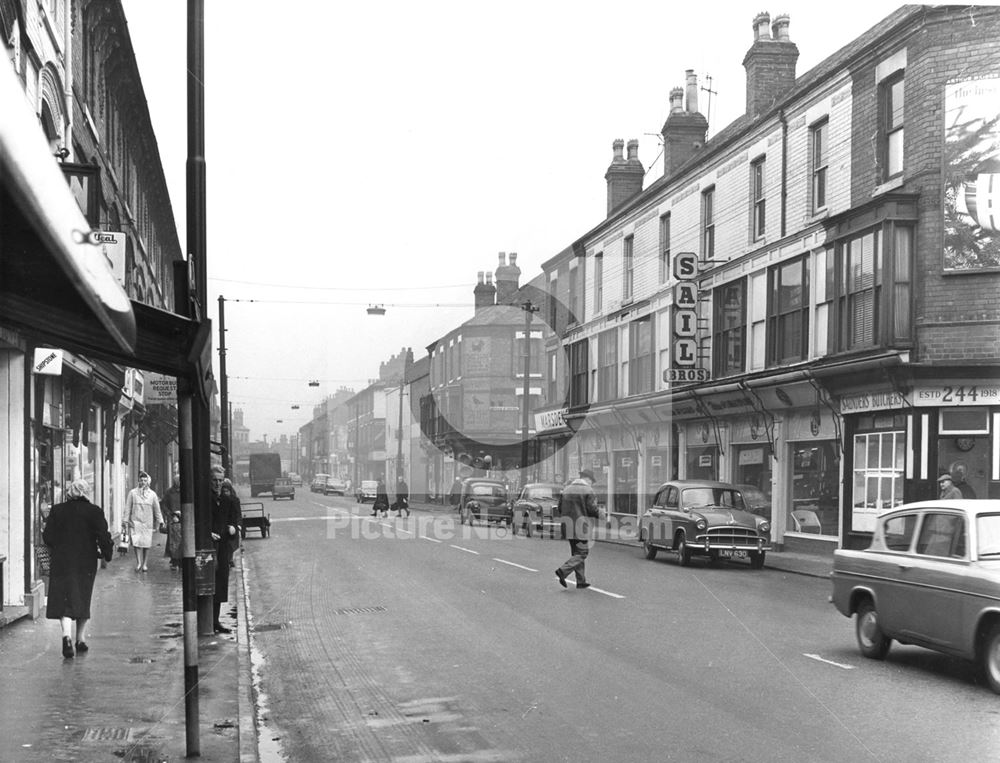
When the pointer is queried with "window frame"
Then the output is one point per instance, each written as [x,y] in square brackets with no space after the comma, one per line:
[722,335]
[579,372]
[607,373]
[598,282]
[819,154]
[708,223]
[628,268]
[664,247]
[889,126]
[641,368]
[778,317]
[758,198]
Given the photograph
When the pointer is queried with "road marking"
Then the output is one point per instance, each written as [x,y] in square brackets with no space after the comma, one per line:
[828,662]
[295,519]
[514,564]
[466,550]
[606,593]
[432,540]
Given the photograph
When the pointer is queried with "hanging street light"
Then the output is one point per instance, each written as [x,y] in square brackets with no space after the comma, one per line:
[376,310]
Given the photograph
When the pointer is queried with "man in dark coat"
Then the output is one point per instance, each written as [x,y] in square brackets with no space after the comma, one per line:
[402,497]
[577,506]
[77,533]
[225,521]
[455,496]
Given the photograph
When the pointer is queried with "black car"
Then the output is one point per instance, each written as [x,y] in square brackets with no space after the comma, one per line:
[537,509]
[484,499]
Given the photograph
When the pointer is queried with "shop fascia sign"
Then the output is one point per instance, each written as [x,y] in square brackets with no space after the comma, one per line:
[684,323]
[47,362]
[112,244]
[955,393]
[551,420]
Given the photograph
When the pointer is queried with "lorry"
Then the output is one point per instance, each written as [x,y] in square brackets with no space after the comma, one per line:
[265,468]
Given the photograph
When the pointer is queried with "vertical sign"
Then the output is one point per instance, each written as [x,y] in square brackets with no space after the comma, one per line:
[684,358]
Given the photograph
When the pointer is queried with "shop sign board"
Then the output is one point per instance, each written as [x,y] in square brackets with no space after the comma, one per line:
[47,362]
[684,323]
[551,420]
[112,244]
[923,396]
[160,389]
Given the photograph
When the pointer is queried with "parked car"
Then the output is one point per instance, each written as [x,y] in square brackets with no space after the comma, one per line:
[335,486]
[283,488]
[367,491]
[757,501]
[318,484]
[484,499]
[931,577]
[700,517]
[537,509]
[295,479]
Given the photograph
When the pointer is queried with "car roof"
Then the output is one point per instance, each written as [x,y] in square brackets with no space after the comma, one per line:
[682,484]
[543,484]
[973,506]
[483,480]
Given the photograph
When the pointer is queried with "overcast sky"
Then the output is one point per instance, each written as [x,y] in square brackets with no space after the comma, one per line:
[384,152]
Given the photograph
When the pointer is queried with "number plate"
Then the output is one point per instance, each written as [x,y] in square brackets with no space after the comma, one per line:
[729,553]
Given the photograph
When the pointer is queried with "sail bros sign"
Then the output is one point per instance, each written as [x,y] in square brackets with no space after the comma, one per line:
[684,358]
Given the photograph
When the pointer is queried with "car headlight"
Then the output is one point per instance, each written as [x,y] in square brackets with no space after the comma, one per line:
[764,526]
[701,524]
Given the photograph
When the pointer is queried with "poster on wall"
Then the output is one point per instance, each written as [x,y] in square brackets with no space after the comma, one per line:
[972,174]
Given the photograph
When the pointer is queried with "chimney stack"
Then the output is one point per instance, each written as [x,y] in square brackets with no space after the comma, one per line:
[624,178]
[770,64]
[508,279]
[484,291]
[685,130]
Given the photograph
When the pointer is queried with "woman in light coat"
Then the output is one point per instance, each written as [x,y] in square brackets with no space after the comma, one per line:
[142,517]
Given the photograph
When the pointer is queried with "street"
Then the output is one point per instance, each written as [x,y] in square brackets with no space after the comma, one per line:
[417,639]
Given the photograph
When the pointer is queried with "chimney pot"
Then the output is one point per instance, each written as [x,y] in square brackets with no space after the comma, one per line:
[503,258]
[676,100]
[633,150]
[761,24]
[618,146]
[489,277]
[513,258]
[479,275]
[692,91]
[780,27]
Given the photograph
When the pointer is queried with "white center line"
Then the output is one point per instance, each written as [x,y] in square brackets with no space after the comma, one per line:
[514,564]
[432,540]
[828,662]
[466,550]
[606,593]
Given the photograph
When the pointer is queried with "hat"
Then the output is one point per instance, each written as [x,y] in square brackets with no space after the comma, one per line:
[946,476]
[586,474]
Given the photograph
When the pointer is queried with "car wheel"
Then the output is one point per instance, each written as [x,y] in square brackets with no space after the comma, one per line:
[871,641]
[648,549]
[683,552]
[991,657]
[757,560]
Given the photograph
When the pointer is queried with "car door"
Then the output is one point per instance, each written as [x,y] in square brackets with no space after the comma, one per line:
[886,571]
[657,522]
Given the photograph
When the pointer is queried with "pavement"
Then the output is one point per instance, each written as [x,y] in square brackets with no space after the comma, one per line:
[124,699]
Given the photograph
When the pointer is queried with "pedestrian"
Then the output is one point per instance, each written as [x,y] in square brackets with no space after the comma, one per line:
[142,517]
[402,497]
[577,505]
[77,534]
[948,490]
[172,516]
[381,500]
[234,542]
[455,496]
[225,520]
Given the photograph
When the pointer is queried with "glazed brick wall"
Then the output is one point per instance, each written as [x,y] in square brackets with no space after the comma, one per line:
[957,315]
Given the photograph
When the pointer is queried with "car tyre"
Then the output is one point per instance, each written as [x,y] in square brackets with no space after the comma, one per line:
[683,552]
[991,657]
[757,560]
[872,642]
[648,549]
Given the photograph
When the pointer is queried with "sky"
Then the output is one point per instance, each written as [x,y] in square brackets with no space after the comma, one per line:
[384,152]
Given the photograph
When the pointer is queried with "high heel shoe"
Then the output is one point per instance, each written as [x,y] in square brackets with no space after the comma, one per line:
[67,646]
[81,646]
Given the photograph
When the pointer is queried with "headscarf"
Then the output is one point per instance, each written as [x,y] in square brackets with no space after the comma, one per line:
[78,489]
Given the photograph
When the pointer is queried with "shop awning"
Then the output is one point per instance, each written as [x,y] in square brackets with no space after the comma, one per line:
[53,282]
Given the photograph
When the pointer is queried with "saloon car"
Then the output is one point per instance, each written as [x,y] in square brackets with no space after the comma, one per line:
[484,499]
[699,517]
[335,486]
[536,509]
[283,488]
[318,484]
[931,578]
[367,491]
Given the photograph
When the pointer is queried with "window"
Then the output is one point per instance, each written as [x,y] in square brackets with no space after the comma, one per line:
[858,282]
[578,361]
[820,160]
[536,359]
[879,460]
[627,265]
[892,126]
[788,312]
[942,535]
[898,532]
[729,324]
[607,365]
[574,293]
[640,351]
[553,301]
[599,282]
[758,320]
[708,223]
[664,248]
[553,380]
[757,195]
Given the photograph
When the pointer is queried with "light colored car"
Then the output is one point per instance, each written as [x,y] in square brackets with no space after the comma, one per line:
[295,479]
[536,509]
[700,517]
[335,486]
[367,491]
[931,577]
[283,488]
[318,484]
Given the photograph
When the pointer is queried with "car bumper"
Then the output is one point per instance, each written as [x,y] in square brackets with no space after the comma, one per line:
[707,543]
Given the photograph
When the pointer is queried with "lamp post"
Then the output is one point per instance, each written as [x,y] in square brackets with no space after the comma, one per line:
[226,433]
[529,307]
[399,433]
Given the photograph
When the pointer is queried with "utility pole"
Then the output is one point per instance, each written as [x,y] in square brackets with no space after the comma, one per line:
[357,444]
[226,434]
[399,433]
[529,307]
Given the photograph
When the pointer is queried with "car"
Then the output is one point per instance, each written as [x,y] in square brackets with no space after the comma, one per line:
[367,491]
[335,486]
[318,484]
[930,577]
[757,501]
[283,488]
[704,518]
[295,479]
[537,508]
[486,500]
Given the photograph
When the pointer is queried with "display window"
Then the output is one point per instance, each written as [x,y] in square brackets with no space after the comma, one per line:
[703,463]
[878,469]
[815,477]
[626,482]
[963,449]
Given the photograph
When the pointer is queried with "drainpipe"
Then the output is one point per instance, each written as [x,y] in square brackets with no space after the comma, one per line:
[784,170]
[68,79]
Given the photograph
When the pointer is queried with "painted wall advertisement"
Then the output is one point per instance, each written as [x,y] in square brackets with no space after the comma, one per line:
[972,174]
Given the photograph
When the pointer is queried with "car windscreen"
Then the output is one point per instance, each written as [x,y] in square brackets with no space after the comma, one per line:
[536,493]
[988,532]
[698,497]
[493,491]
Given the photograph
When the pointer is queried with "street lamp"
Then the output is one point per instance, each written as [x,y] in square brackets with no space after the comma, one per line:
[529,307]
[376,310]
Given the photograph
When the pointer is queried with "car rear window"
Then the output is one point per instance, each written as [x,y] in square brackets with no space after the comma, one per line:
[542,492]
[490,490]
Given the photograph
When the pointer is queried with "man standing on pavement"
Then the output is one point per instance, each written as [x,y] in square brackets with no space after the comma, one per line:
[577,506]
[402,496]
[225,519]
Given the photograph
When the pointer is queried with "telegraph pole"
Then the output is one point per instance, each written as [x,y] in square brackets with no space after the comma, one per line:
[529,307]
[399,433]
[227,450]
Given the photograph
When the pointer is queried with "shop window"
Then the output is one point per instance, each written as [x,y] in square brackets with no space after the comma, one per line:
[964,421]
[815,480]
[753,468]
[703,463]
[730,318]
[879,461]
[626,482]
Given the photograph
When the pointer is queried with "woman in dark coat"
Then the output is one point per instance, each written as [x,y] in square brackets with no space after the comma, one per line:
[225,524]
[77,533]
[381,503]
